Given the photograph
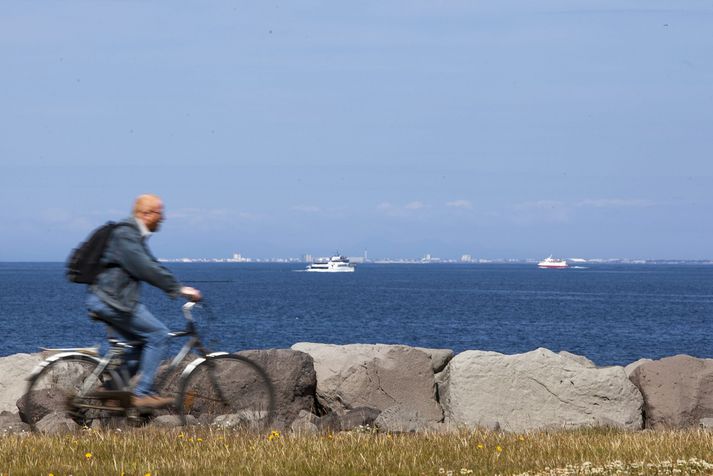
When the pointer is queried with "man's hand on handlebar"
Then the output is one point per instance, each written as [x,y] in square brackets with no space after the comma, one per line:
[192,294]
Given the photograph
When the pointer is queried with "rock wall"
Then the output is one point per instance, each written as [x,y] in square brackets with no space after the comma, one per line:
[324,387]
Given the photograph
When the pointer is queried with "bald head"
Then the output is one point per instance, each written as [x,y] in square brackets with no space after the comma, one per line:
[149,209]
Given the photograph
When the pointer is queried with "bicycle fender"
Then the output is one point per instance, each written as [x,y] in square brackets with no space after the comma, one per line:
[53,358]
[191,367]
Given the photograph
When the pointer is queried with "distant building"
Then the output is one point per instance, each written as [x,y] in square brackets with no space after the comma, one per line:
[238,258]
[466,259]
[430,259]
[307,258]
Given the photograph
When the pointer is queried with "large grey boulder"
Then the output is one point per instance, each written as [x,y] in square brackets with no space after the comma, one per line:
[291,374]
[537,390]
[294,379]
[677,390]
[378,376]
[14,370]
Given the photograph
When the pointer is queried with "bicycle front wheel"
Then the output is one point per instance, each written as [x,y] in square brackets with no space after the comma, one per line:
[228,390]
[60,387]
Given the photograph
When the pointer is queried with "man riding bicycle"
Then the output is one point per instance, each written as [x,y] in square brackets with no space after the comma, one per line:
[114,296]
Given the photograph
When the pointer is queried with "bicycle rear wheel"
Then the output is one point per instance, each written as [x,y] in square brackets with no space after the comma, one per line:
[228,390]
[59,388]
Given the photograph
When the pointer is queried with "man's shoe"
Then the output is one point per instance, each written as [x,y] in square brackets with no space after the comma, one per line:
[151,401]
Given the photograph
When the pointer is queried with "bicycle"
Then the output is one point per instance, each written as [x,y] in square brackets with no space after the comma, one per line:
[85,387]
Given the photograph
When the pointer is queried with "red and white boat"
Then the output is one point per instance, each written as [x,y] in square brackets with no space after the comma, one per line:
[553,263]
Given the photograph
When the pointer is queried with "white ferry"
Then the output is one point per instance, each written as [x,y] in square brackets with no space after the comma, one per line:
[553,263]
[336,264]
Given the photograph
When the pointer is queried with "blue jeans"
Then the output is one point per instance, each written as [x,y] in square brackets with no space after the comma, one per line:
[140,325]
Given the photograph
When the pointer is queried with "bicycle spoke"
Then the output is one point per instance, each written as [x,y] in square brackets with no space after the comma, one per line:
[228,390]
[59,387]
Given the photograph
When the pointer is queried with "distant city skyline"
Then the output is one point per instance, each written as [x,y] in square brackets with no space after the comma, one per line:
[425,259]
[505,129]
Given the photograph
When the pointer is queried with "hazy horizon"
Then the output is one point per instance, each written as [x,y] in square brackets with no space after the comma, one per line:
[403,259]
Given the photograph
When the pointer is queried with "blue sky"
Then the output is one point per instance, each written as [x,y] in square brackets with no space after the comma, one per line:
[499,129]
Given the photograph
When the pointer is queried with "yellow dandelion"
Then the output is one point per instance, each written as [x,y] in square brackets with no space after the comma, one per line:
[498,448]
[521,438]
[199,439]
[87,455]
[481,446]
[181,435]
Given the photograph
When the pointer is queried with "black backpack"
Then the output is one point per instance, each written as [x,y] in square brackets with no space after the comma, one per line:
[83,264]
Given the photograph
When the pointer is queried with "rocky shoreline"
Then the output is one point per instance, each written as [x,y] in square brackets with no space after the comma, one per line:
[325,387]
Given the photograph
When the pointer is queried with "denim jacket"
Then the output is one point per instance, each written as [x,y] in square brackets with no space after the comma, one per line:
[128,262]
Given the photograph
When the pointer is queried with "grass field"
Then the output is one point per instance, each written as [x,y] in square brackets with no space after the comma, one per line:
[202,451]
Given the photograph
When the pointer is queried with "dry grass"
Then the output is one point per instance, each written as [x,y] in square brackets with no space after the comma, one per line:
[202,451]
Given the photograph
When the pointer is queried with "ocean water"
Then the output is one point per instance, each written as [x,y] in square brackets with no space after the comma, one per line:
[612,314]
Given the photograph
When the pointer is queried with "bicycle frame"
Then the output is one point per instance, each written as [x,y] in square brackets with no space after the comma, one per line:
[112,362]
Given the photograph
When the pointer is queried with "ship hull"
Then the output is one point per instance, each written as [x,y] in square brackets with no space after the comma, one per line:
[333,270]
[552,263]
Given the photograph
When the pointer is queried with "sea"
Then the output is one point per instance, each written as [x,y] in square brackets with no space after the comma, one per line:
[612,314]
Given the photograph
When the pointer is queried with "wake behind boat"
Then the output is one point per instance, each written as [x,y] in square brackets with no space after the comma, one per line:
[336,264]
[552,263]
